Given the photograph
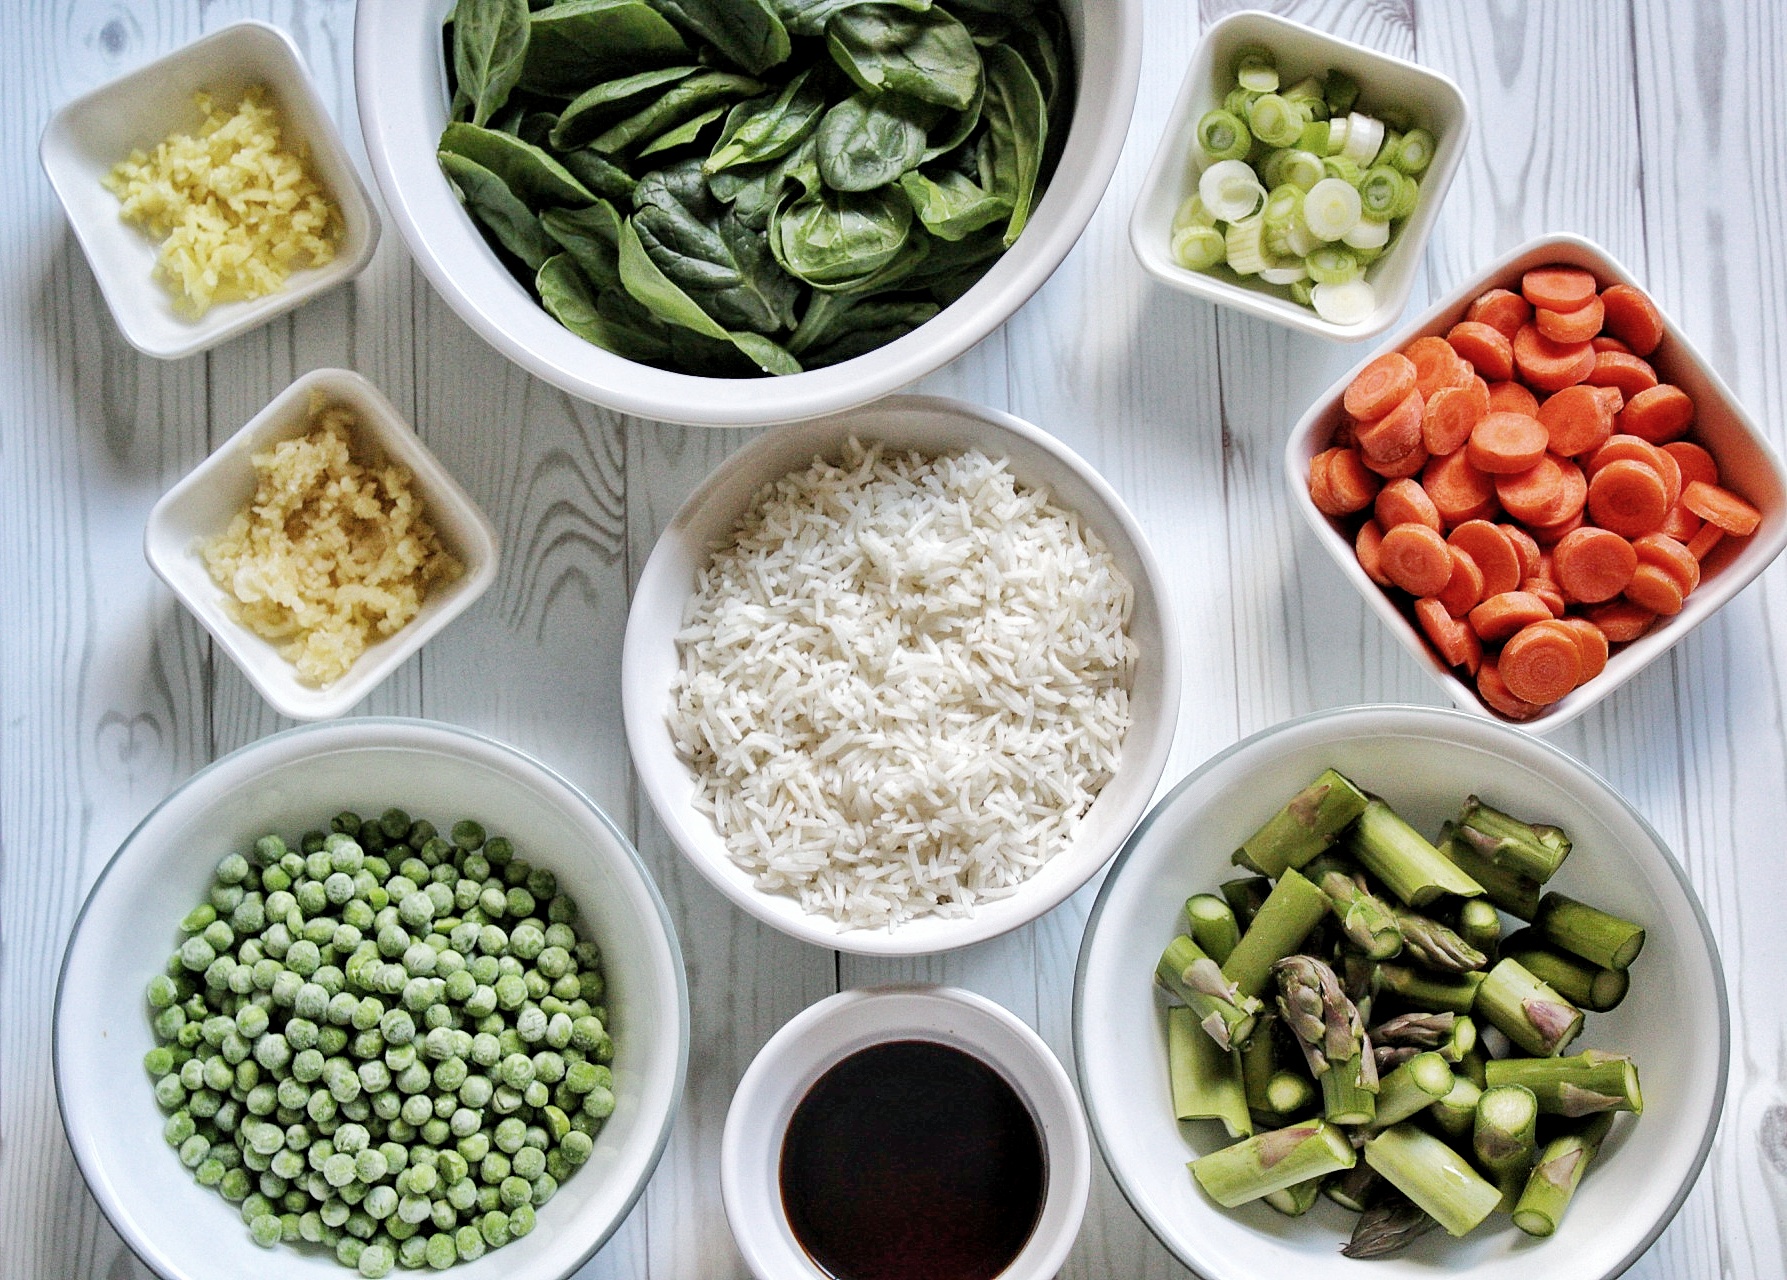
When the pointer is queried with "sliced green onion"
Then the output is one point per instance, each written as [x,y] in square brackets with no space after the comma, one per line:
[1300,242]
[1331,209]
[1367,234]
[1387,149]
[1380,190]
[1349,303]
[1340,90]
[1364,135]
[1256,69]
[1308,92]
[1285,275]
[1223,136]
[1192,213]
[1332,264]
[1198,248]
[1284,207]
[1237,101]
[1230,190]
[1301,293]
[1275,121]
[1367,256]
[1342,168]
[1301,169]
[1416,152]
[1315,137]
[1246,246]
[1411,193]
[1337,131]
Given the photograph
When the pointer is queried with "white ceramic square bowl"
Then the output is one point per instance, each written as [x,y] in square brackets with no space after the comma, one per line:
[202,504]
[94,132]
[1431,99]
[1747,465]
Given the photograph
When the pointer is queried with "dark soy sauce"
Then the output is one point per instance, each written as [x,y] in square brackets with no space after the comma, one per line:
[912,1160]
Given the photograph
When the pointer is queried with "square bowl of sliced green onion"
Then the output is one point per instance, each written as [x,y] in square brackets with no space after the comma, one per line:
[1299,176]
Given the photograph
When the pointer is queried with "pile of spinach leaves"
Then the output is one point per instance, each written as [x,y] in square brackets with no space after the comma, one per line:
[736,187]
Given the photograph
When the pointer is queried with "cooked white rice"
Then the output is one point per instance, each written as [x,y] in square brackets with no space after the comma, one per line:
[902,683]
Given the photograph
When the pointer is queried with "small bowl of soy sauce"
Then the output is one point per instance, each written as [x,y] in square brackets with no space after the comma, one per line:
[919,1132]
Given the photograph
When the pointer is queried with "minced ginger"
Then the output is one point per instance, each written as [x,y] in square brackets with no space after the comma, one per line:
[330,555]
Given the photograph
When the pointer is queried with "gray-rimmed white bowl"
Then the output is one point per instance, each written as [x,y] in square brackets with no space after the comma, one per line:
[292,782]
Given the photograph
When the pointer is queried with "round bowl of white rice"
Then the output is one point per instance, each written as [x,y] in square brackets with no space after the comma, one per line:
[902,679]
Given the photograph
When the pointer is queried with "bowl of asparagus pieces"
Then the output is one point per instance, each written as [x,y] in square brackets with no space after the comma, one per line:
[1400,984]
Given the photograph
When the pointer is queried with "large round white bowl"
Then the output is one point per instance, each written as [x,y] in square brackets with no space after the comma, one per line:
[1424,761]
[401,84]
[290,783]
[932,425]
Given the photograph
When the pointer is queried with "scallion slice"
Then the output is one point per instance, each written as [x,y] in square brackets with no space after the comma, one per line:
[1332,264]
[1331,209]
[1300,293]
[1416,152]
[1301,169]
[1238,100]
[1193,213]
[1275,121]
[1246,246]
[1349,303]
[1364,135]
[1230,190]
[1223,136]
[1387,149]
[1367,234]
[1405,205]
[1285,275]
[1198,248]
[1256,69]
[1307,93]
[1380,190]
[1284,208]
[1342,168]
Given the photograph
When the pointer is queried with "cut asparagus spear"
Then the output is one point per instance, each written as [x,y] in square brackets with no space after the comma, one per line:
[1528,1012]
[1248,894]
[1213,925]
[1505,1137]
[1295,1200]
[1223,1012]
[1259,1059]
[1432,1175]
[1585,931]
[1356,1189]
[1533,849]
[1473,1065]
[1402,860]
[1388,1228]
[1271,1161]
[1457,1111]
[1304,827]
[1327,1026]
[1479,923]
[1584,985]
[1410,1089]
[1585,1084]
[1206,1079]
[1513,892]
[1452,1035]
[1554,1179]
[1367,920]
[1455,993]
[1288,1092]
[1433,944]
[1293,908]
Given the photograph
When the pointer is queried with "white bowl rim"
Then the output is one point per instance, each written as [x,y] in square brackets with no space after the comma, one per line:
[713,402]
[422,727]
[881,941]
[1440,718]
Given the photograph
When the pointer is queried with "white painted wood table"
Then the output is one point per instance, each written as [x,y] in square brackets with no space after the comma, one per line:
[1656,128]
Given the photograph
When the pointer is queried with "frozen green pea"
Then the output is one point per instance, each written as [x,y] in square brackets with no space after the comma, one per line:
[170,1093]
[169,1022]
[349,1248]
[494,1227]
[577,1146]
[510,991]
[265,1230]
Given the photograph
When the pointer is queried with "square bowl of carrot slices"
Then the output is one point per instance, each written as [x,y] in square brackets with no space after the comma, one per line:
[1541,485]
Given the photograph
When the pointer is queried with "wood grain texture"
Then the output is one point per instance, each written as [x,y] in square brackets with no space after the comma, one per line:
[1657,129]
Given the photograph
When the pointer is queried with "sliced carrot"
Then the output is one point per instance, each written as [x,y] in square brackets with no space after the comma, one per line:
[1511,397]
[1621,621]
[1695,462]
[1409,464]
[1557,288]
[1506,443]
[1629,373]
[1548,365]
[1500,616]
[1545,570]
[1548,594]
[1464,589]
[1721,507]
[1436,364]
[1658,414]
[1591,641]
[1629,447]
[1672,556]
[1416,559]
[1575,421]
[1502,311]
[1405,502]
[1593,564]
[1549,535]
[1492,552]
[1459,491]
[1611,397]
[1394,435]
[1456,643]
[1702,543]
[1549,492]
[1541,662]
[1580,325]
[1681,524]
[1524,547]
[1653,588]
[1627,497]
[1499,698]
[1448,418]
[1321,491]
[1376,389]
[1606,342]
[1671,471]
[1366,546]
[1352,485]
[1489,350]
[1633,318]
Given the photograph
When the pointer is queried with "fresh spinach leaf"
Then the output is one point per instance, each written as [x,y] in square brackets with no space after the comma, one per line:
[745,32]
[837,326]
[599,174]
[489,45]
[682,135]
[1017,130]
[1013,11]
[808,17]
[499,210]
[962,124]
[700,244]
[535,177]
[575,42]
[754,190]
[661,295]
[869,140]
[591,236]
[925,54]
[689,99]
[770,126]
[570,299]
[591,111]
[950,205]
[841,239]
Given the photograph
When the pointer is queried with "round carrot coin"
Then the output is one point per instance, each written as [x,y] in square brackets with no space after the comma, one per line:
[1593,564]
[1721,507]
[1557,288]
[1695,462]
[1376,388]
[1394,435]
[1628,372]
[1633,318]
[1500,616]
[1672,556]
[1511,397]
[1658,414]
[1506,443]
[1450,415]
[1367,546]
[1455,642]
[1549,492]
[1464,589]
[1405,502]
[1459,491]
[1548,365]
[1489,351]
[1591,643]
[1580,325]
[1499,698]
[1524,547]
[1575,421]
[1653,588]
[1627,497]
[1502,311]
[1621,621]
[1436,364]
[1416,559]
[1492,552]
[1541,662]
